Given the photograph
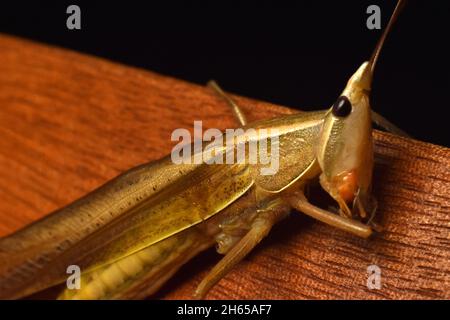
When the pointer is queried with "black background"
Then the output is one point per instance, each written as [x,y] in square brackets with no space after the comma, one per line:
[151,309]
[295,53]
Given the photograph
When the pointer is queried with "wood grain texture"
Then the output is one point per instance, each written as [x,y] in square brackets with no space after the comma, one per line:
[70,122]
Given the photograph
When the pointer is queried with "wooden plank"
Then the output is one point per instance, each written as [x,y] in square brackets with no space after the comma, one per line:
[70,122]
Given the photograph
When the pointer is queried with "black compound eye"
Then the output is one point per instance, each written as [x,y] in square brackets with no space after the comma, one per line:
[342,107]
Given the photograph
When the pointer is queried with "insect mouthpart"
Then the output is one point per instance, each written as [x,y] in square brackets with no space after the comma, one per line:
[353,201]
[347,185]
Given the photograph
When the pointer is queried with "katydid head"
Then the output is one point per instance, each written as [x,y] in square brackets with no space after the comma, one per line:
[345,152]
[345,148]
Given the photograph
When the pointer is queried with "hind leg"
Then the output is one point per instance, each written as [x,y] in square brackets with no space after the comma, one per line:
[237,111]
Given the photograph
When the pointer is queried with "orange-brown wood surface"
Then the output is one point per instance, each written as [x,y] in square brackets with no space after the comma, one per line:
[70,122]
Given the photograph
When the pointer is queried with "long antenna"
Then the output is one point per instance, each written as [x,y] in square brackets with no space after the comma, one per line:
[394,16]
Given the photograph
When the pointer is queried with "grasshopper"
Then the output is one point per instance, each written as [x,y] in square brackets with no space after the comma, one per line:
[133,233]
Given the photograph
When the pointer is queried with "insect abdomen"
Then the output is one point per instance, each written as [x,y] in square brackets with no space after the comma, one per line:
[141,273]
